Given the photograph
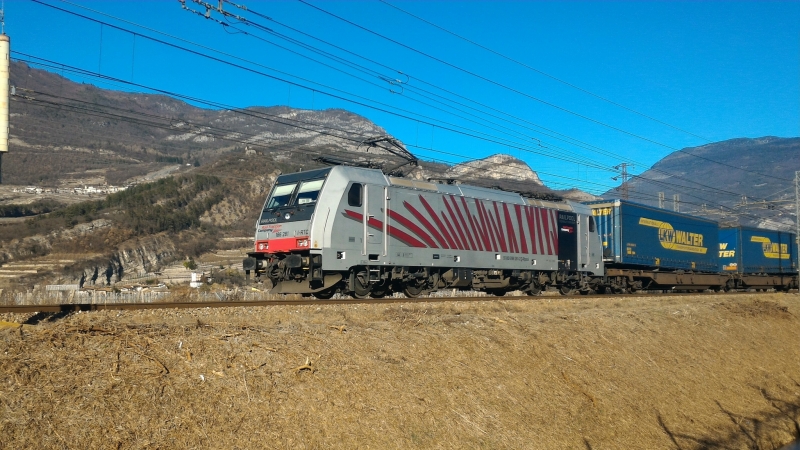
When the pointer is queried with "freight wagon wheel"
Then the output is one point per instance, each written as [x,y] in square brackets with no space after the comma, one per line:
[566,290]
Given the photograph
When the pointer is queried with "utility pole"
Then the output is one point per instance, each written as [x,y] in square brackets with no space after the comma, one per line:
[661,200]
[676,202]
[797,219]
[5,43]
[623,175]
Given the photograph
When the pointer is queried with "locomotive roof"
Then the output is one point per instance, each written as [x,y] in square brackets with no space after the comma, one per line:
[376,176]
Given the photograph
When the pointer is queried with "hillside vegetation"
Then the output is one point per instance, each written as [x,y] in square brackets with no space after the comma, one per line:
[193,211]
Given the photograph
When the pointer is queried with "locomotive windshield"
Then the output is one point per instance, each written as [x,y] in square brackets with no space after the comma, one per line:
[284,194]
[308,192]
[280,196]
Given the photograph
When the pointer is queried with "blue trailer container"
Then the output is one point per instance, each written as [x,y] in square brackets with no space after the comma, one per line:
[757,251]
[640,235]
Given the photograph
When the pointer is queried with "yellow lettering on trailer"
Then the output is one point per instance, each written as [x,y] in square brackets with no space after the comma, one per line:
[770,249]
[678,240]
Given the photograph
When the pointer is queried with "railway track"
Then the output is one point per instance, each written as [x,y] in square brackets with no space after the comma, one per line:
[75,307]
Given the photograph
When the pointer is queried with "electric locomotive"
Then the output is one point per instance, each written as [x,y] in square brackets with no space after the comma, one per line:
[362,233]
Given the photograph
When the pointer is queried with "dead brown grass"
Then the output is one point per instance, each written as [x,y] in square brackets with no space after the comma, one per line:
[685,372]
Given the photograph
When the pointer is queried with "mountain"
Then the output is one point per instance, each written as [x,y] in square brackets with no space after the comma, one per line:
[61,130]
[738,181]
[196,176]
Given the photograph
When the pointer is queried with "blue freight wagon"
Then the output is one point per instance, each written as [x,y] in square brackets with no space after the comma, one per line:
[748,250]
[638,235]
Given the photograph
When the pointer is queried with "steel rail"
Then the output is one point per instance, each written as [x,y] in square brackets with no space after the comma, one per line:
[76,307]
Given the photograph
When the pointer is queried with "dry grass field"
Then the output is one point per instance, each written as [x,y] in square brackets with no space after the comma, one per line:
[669,372]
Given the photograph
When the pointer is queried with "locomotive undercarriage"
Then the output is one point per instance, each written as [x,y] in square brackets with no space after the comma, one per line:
[302,274]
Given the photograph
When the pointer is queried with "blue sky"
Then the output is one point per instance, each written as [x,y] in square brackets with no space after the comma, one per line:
[718,70]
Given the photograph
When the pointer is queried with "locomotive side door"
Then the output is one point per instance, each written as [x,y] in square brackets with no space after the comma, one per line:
[374,221]
[567,241]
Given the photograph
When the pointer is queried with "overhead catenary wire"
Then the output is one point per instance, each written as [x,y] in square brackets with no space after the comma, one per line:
[441,127]
[63,66]
[538,152]
[383,108]
[467,163]
[506,87]
[204,129]
[568,139]
[543,73]
[409,87]
[644,179]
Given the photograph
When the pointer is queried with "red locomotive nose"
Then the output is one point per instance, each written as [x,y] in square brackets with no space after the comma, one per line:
[283,245]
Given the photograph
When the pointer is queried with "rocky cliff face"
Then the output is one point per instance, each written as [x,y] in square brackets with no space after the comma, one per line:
[495,167]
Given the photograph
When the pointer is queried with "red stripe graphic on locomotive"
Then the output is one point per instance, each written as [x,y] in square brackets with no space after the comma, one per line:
[539,230]
[474,230]
[545,218]
[512,239]
[418,215]
[490,228]
[462,239]
[531,228]
[496,230]
[459,245]
[393,232]
[498,227]
[439,223]
[413,227]
[484,230]
[522,239]
[463,223]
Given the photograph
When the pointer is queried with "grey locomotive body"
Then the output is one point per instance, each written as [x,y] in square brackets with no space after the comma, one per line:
[362,233]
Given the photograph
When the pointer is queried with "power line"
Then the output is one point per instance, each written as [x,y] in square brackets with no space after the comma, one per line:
[516,91]
[297,84]
[590,147]
[161,125]
[584,145]
[541,72]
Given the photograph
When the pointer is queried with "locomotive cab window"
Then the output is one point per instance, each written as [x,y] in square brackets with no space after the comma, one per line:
[308,192]
[281,196]
[591,224]
[354,195]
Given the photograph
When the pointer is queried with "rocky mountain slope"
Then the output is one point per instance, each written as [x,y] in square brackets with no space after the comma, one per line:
[63,130]
[745,181]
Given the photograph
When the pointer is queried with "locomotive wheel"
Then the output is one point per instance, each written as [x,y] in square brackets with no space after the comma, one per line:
[325,294]
[412,291]
[361,286]
[379,290]
[566,290]
[496,292]
[534,289]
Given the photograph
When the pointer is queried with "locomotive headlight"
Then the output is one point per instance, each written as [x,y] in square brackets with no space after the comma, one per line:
[263,246]
[302,242]
[287,216]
